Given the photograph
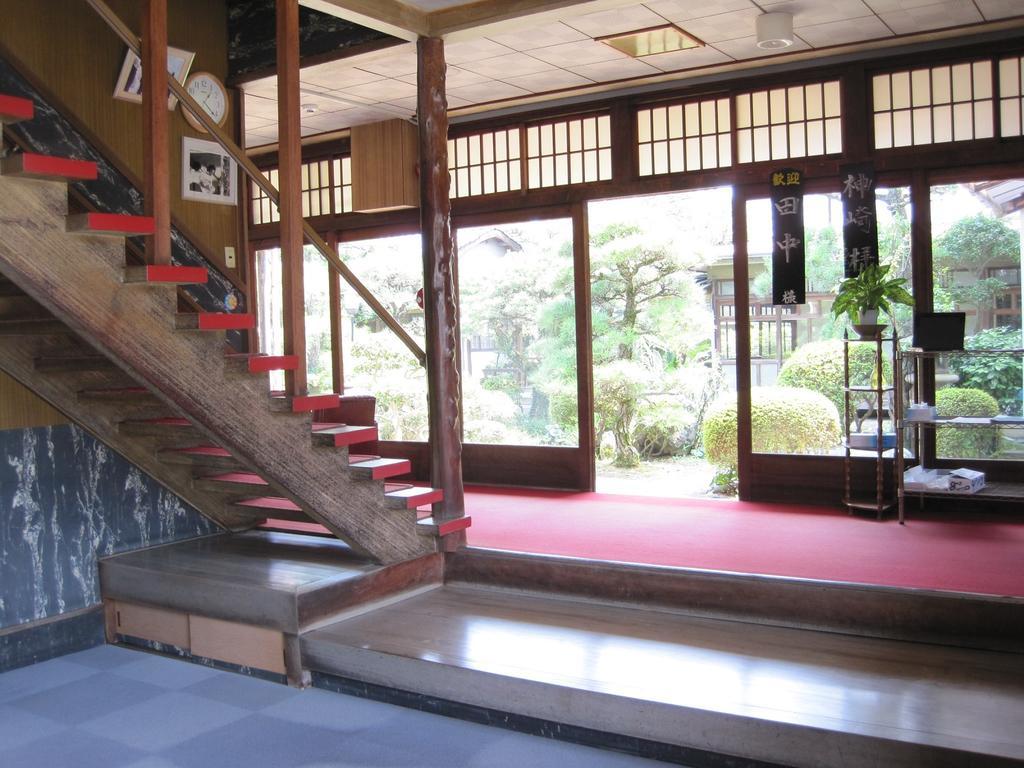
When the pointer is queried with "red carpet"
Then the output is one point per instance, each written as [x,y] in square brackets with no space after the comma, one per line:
[968,554]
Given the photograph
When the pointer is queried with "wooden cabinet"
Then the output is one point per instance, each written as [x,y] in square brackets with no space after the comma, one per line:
[385,159]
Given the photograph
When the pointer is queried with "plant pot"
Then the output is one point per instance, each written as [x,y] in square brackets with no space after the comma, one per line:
[872,331]
[868,317]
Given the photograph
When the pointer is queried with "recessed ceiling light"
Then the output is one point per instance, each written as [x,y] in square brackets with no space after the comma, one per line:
[774,30]
[651,41]
[309,108]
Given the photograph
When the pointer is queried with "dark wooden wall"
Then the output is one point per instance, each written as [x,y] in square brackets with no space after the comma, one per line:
[69,54]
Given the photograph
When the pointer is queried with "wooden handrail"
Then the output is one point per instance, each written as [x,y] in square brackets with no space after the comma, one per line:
[130,39]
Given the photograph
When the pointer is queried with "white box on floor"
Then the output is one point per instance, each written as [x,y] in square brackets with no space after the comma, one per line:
[917,478]
[966,480]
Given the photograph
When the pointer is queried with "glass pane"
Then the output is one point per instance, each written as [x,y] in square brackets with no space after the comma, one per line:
[976,270]
[797,352]
[319,362]
[518,334]
[376,362]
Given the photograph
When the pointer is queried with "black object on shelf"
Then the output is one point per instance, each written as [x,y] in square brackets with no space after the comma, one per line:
[939,331]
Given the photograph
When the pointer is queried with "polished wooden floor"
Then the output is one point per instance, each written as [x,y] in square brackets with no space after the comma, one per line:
[791,696]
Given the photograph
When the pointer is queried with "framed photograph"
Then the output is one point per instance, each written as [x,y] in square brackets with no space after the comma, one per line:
[208,174]
[129,82]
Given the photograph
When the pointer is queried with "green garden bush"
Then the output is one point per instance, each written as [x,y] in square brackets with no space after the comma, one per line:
[818,366]
[966,442]
[785,420]
[999,375]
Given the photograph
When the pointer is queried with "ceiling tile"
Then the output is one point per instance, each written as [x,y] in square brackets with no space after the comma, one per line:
[937,16]
[488,91]
[382,90]
[552,80]
[473,50]
[408,105]
[509,65]
[394,64]
[820,12]
[1000,9]
[260,107]
[253,123]
[577,54]
[265,87]
[841,32]
[454,77]
[620,69]
[746,48]
[694,57]
[723,26]
[334,77]
[683,10]
[616,20]
[884,6]
[538,37]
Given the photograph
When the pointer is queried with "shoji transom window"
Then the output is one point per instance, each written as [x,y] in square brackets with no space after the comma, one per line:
[689,136]
[933,105]
[571,151]
[1011,96]
[797,121]
[485,163]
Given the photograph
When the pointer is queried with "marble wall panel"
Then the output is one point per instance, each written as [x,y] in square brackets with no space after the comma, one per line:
[65,501]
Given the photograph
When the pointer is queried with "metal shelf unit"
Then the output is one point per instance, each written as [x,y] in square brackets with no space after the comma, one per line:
[994,491]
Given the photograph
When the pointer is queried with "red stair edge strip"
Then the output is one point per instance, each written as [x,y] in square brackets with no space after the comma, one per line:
[269,502]
[121,222]
[161,273]
[225,321]
[45,165]
[16,108]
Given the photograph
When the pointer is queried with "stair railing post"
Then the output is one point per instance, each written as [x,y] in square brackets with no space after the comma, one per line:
[156,190]
[290,203]
[439,298]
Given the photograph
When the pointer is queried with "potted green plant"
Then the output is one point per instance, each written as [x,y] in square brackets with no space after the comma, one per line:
[860,298]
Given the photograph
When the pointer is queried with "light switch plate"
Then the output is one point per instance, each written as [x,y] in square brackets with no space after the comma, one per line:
[229,257]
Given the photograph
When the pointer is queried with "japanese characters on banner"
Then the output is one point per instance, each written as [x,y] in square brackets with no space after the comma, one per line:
[860,228]
[788,279]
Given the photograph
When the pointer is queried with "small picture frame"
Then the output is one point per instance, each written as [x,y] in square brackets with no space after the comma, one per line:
[208,174]
[129,81]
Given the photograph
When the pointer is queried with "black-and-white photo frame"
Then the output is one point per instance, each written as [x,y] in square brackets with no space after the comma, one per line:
[208,174]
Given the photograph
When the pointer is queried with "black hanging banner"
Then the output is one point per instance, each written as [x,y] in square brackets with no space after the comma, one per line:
[788,276]
[860,226]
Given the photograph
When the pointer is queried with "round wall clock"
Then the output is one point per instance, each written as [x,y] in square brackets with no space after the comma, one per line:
[209,91]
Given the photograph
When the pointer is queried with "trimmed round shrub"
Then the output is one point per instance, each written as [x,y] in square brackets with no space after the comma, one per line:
[784,420]
[966,442]
[818,366]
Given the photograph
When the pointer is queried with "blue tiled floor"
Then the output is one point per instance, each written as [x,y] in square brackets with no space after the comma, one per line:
[119,708]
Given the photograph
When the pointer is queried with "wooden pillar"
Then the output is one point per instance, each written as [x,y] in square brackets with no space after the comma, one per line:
[439,299]
[290,189]
[156,185]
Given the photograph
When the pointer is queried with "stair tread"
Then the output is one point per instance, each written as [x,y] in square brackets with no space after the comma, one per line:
[202,450]
[430,526]
[164,274]
[302,403]
[260,363]
[412,497]
[246,478]
[270,502]
[33,165]
[339,429]
[214,321]
[14,109]
[119,224]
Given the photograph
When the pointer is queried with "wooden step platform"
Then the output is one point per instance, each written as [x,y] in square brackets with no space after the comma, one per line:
[278,581]
[776,695]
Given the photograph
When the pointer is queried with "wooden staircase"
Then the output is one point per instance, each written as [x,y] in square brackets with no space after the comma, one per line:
[105,344]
